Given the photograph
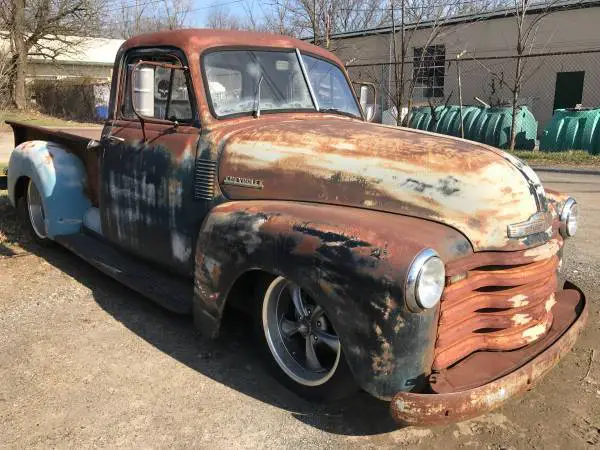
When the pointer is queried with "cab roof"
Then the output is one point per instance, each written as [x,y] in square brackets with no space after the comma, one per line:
[195,41]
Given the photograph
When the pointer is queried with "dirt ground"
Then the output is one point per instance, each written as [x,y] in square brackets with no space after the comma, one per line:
[85,362]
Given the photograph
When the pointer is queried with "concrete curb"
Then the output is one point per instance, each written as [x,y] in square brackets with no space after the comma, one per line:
[567,170]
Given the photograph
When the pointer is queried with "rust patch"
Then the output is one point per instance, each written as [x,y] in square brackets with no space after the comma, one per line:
[392,170]
[480,384]
[503,304]
[384,362]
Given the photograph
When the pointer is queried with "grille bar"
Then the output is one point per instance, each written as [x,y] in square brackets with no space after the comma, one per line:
[504,303]
[512,298]
[481,259]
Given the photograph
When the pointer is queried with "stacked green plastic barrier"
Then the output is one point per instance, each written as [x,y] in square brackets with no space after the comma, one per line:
[572,129]
[488,125]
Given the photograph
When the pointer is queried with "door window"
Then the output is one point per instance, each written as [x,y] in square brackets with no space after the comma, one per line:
[158,92]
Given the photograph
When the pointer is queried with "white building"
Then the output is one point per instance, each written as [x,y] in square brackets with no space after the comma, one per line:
[91,57]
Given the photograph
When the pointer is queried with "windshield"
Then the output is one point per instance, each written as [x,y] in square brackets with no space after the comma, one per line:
[244,81]
[330,86]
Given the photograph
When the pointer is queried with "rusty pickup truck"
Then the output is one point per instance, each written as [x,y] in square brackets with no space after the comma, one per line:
[238,170]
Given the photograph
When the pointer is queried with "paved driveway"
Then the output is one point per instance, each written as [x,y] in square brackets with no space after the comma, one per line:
[86,362]
[7,144]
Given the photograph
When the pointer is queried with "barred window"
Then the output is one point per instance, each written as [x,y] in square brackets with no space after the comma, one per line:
[429,70]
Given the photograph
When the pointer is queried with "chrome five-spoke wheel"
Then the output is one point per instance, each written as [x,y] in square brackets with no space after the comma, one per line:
[299,335]
[36,210]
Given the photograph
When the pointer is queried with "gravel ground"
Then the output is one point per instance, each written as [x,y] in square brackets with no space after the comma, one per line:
[87,362]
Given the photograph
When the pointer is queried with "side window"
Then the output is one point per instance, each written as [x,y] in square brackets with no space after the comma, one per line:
[158,92]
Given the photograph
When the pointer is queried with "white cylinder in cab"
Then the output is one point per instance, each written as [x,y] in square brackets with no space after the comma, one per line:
[143,91]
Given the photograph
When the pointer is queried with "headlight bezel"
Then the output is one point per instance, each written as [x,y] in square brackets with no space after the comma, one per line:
[413,277]
[566,215]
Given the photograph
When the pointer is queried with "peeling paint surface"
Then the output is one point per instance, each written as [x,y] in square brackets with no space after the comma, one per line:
[147,194]
[353,261]
[497,306]
[474,386]
[453,182]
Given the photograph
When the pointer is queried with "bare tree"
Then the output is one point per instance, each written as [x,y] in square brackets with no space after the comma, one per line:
[280,19]
[142,16]
[423,62]
[527,27]
[321,19]
[43,28]
[221,19]
[5,69]
[417,59]
[175,14]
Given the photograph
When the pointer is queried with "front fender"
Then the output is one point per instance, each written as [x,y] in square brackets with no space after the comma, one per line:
[60,179]
[353,261]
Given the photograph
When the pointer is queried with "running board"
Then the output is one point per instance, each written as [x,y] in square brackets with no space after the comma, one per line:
[170,291]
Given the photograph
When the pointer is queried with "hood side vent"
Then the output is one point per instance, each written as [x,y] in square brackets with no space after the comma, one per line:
[205,176]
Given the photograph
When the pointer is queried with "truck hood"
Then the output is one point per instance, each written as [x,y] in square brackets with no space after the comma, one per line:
[471,187]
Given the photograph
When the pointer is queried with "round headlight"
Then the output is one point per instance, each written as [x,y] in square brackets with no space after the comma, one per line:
[425,281]
[568,218]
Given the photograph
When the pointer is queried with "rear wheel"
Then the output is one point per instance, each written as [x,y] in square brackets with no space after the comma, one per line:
[300,343]
[33,215]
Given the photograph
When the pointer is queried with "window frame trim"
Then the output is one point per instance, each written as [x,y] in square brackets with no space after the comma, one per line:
[177,54]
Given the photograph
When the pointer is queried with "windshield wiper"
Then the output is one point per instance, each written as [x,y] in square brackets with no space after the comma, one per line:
[257,98]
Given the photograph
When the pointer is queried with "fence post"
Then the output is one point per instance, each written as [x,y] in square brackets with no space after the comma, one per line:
[460,102]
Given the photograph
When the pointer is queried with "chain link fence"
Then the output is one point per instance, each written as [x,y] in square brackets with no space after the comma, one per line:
[549,81]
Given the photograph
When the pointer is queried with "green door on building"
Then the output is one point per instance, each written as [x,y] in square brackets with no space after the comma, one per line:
[568,91]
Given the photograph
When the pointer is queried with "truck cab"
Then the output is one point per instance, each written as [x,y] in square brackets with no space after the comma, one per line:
[238,169]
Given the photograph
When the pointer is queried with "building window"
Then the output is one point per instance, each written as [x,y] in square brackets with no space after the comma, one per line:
[429,71]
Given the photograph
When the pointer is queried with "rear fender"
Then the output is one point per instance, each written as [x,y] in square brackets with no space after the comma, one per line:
[352,261]
[59,177]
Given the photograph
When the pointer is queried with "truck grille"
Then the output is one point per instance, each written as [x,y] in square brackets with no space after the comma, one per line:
[503,303]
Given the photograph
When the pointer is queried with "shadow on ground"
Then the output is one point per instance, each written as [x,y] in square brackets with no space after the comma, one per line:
[232,359]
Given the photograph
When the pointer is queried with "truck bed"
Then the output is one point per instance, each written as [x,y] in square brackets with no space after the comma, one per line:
[26,132]
[76,143]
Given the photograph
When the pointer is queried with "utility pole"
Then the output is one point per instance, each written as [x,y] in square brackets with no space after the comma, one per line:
[460,102]
[314,22]
[398,63]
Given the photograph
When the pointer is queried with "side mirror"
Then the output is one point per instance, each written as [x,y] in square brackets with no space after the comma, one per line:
[145,88]
[367,91]
[142,90]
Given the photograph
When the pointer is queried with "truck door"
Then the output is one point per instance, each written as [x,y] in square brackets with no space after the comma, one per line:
[146,194]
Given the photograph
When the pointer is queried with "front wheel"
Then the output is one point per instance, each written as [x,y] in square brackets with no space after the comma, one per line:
[300,343]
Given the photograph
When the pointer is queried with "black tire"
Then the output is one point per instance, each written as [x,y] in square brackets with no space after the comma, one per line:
[25,218]
[340,384]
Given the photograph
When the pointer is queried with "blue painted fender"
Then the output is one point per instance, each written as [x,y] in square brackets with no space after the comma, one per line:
[59,177]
